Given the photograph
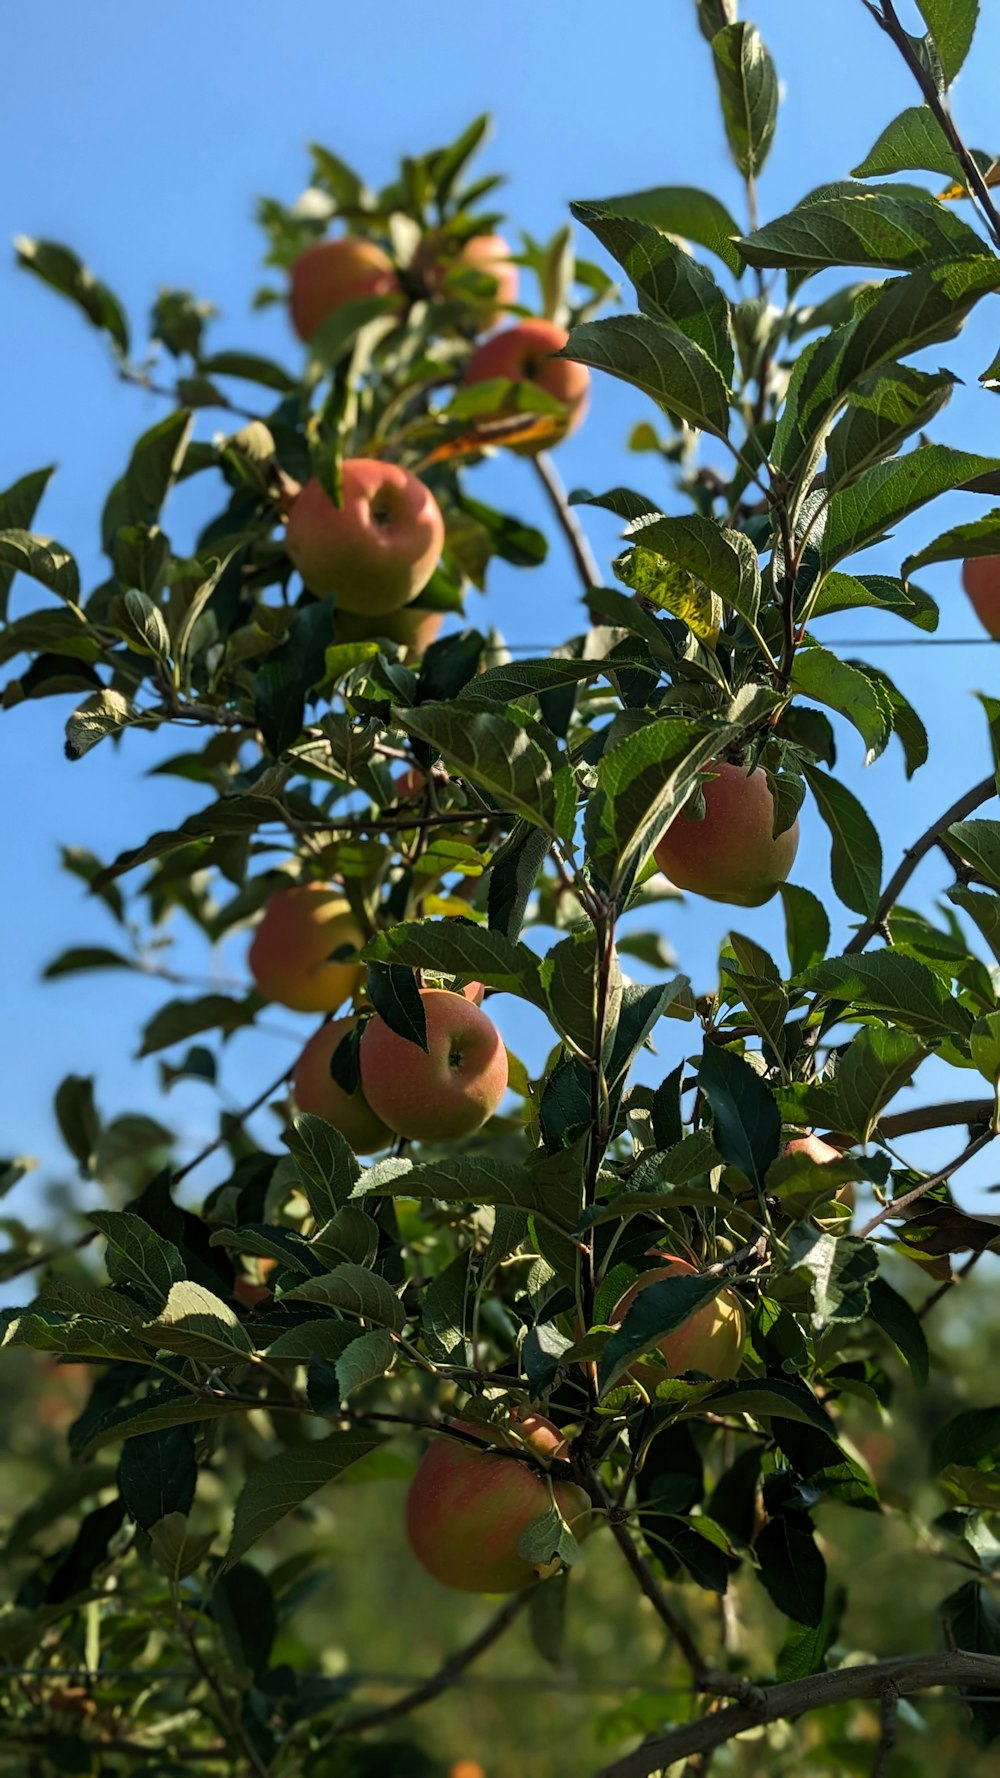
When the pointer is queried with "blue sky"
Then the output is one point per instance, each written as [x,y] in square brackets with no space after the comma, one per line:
[142,137]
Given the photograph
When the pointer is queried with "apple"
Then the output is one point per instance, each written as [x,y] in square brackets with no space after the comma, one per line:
[981,580]
[523,354]
[332,274]
[315,1090]
[413,628]
[730,855]
[822,1152]
[466,1768]
[293,954]
[248,1291]
[446,1092]
[377,550]
[711,1340]
[443,267]
[466,1508]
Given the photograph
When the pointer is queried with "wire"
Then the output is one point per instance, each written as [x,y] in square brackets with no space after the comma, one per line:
[544,648]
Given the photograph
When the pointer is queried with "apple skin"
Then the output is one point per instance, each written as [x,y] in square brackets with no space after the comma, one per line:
[299,931]
[379,549]
[522,353]
[316,1090]
[981,580]
[467,1508]
[333,273]
[250,1293]
[711,1340]
[413,627]
[440,266]
[822,1153]
[730,855]
[447,1092]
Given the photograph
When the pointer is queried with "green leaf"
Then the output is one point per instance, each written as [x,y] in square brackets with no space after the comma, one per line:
[169,1404]
[325,1162]
[181,1019]
[893,987]
[883,225]
[984,1043]
[882,411]
[807,927]
[828,680]
[60,268]
[460,947]
[512,878]
[840,1272]
[984,911]
[283,1482]
[913,142]
[882,496]
[198,1324]
[176,1552]
[517,680]
[753,978]
[978,843]
[748,90]
[77,1117]
[672,590]
[952,25]
[856,852]
[104,714]
[656,1311]
[364,1361]
[746,1122]
[722,559]
[971,1438]
[906,724]
[641,784]
[396,998]
[141,556]
[670,286]
[355,1291]
[136,1255]
[681,210]
[849,592]
[73,1336]
[42,559]
[874,1067]
[157,1475]
[18,505]
[892,1313]
[549,1539]
[349,1236]
[512,761]
[289,674]
[977,537]
[787,1397]
[146,631]
[324,1339]
[656,357]
[252,369]
[154,466]
[479,1179]
[443,1312]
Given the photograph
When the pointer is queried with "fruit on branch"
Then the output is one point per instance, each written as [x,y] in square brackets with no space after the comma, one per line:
[377,550]
[445,1092]
[523,354]
[731,854]
[448,269]
[249,1292]
[303,951]
[466,1768]
[413,627]
[316,1090]
[467,1507]
[981,580]
[823,1152]
[332,274]
[711,1340]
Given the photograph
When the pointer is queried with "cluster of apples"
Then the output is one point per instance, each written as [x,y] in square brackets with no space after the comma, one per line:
[378,549]
[304,956]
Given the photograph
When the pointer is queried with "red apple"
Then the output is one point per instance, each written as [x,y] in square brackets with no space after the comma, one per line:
[377,550]
[248,1291]
[315,1090]
[467,1508]
[444,265]
[730,855]
[523,354]
[711,1340]
[446,1092]
[413,628]
[332,274]
[981,580]
[292,957]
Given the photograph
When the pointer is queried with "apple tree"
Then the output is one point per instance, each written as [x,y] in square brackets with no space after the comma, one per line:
[597,1320]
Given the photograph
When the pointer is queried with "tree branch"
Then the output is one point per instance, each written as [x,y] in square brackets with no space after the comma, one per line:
[569,524]
[927,1185]
[973,799]
[446,1675]
[935,1117]
[904,1675]
[649,1585]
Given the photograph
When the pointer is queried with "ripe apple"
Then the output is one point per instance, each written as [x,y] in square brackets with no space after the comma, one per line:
[711,1340]
[523,354]
[981,580]
[413,627]
[332,274]
[293,955]
[822,1153]
[316,1090]
[467,1508]
[446,1092]
[379,549]
[466,1768]
[443,266]
[730,855]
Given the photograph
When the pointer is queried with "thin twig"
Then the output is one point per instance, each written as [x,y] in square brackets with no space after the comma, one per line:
[446,1676]
[230,1716]
[50,1254]
[949,1284]
[649,1585]
[927,1185]
[573,531]
[973,799]
[907,1674]
[234,1118]
[889,1725]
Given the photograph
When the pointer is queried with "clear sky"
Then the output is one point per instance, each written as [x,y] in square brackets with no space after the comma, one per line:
[142,136]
